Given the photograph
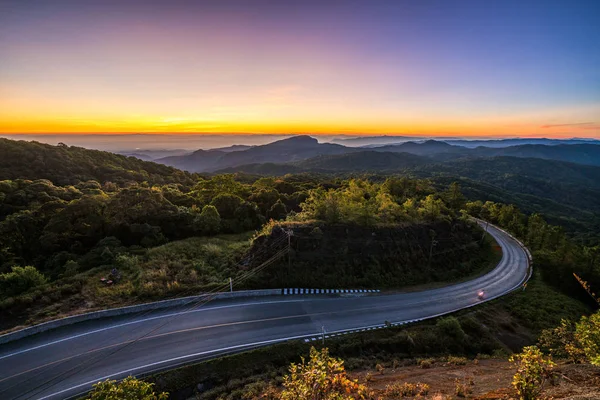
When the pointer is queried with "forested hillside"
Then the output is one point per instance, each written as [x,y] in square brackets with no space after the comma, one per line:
[566,193]
[64,165]
[58,241]
[172,233]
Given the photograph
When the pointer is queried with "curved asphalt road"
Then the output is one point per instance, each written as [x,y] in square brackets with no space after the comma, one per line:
[66,361]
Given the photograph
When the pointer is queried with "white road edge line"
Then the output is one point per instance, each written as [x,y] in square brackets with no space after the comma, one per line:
[144,320]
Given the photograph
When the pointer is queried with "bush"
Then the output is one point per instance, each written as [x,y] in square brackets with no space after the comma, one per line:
[130,389]
[425,363]
[20,280]
[457,360]
[406,389]
[322,377]
[463,388]
[587,334]
[450,326]
[532,372]
[577,342]
[560,342]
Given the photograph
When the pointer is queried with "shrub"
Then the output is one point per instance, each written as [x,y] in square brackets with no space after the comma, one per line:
[532,372]
[560,342]
[20,280]
[129,388]
[450,326]
[425,362]
[406,389]
[463,388]
[587,334]
[380,368]
[322,377]
[578,343]
[457,360]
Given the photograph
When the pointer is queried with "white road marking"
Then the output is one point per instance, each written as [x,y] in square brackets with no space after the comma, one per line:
[144,320]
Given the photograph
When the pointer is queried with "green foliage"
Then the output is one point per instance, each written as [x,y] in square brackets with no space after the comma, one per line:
[450,326]
[321,378]
[128,389]
[397,389]
[227,204]
[533,369]
[46,225]
[66,165]
[365,203]
[20,280]
[560,342]
[555,255]
[542,305]
[382,256]
[277,211]
[587,335]
[209,220]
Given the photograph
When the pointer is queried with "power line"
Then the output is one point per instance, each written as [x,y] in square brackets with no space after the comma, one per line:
[209,297]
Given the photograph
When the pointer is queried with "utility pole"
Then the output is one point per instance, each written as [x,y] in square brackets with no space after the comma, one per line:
[290,233]
[484,230]
[433,243]
[230,285]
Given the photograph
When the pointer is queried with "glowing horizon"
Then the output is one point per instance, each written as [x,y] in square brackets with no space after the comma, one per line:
[264,67]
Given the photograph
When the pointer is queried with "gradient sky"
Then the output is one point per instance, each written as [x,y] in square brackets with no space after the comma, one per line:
[432,67]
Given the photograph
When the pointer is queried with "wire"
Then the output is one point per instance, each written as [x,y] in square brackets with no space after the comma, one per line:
[207,298]
[90,363]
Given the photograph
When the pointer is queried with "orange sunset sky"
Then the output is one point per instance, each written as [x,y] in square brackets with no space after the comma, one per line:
[382,67]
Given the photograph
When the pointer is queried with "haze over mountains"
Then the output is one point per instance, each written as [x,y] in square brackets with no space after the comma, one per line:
[305,153]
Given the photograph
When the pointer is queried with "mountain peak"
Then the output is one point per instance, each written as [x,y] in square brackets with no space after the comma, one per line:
[301,140]
[432,142]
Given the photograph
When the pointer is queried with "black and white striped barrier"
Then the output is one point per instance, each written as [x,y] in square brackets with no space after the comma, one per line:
[358,330]
[292,291]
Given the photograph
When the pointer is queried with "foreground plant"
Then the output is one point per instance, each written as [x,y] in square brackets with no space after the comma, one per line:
[321,378]
[128,389]
[533,369]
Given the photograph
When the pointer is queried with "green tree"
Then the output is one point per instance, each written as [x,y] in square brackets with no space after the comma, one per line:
[209,220]
[128,389]
[264,199]
[277,211]
[431,209]
[321,378]
[227,204]
[454,197]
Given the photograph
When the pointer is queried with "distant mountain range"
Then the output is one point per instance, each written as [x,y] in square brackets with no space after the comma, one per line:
[377,141]
[306,153]
[282,151]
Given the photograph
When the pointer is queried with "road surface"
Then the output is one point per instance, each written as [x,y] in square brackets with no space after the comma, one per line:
[66,361]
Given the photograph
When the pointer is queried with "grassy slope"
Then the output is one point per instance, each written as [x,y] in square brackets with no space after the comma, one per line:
[176,269]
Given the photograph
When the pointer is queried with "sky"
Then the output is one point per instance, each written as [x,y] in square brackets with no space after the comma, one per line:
[428,67]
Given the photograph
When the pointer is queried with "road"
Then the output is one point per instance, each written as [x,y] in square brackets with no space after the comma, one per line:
[66,361]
